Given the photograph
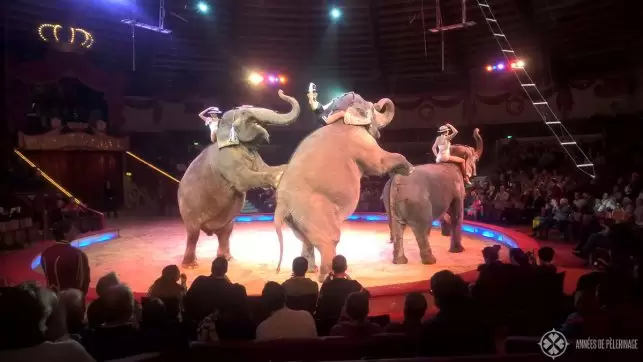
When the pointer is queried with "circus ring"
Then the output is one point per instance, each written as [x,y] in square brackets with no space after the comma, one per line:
[139,249]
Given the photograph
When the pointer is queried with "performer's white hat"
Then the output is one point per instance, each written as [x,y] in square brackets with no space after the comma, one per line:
[215,110]
[443,129]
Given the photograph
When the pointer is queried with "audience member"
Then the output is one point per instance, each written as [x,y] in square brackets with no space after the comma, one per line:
[167,288]
[334,291]
[207,292]
[64,265]
[415,306]
[234,320]
[491,257]
[119,336]
[546,259]
[457,328]
[22,330]
[96,310]
[299,284]
[73,302]
[283,322]
[354,322]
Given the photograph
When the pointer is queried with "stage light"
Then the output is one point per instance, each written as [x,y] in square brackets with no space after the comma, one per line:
[128,174]
[335,13]
[501,66]
[489,68]
[282,79]
[255,78]
[510,137]
[494,67]
[202,7]
[271,79]
[520,64]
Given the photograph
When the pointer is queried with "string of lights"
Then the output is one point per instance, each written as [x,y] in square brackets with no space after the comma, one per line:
[51,33]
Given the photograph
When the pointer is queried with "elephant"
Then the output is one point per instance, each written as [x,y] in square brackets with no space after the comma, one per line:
[321,186]
[433,191]
[213,188]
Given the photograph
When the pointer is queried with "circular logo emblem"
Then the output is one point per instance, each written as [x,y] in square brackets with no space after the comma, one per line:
[553,344]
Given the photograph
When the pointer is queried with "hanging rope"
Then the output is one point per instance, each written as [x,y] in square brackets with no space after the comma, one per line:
[426,53]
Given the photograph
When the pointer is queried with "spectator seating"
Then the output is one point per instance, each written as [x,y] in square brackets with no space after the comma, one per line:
[17,233]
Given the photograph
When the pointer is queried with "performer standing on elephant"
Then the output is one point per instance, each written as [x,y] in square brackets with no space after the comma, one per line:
[442,149]
[211,118]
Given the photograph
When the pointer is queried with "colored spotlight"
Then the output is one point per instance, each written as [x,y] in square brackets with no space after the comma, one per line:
[520,64]
[489,68]
[255,78]
[335,13]
[202,7]
[501,66]
[282,79]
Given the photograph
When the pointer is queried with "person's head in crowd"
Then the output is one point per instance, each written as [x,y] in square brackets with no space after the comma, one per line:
[61,231]
[546,255]
[273,296]
[153,313]
[219,267]
[105,282]
[448,289]
[235,304]
[491,254]
[171,273]
[25,311]
[56,325]
[415,306]
[119,305]
[339,266]
[299,266]
[74,303]
[356,306]
[518,257]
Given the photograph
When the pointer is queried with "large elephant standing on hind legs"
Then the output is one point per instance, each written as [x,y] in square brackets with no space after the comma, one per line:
[433,191]
[213,188]
[321,186]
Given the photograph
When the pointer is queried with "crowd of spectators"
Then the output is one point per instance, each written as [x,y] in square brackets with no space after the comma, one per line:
[522,297]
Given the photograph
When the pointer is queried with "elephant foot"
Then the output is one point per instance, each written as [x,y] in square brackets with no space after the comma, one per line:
[400,260]
[429,259]
[227,256]
[456,249]
[190,264]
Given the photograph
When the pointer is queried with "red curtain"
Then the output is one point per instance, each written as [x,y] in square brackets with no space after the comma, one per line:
[57,65]
[83,173]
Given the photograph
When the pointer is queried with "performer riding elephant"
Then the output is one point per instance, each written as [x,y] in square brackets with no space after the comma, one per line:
[321,186]
[433,191]
[213,188]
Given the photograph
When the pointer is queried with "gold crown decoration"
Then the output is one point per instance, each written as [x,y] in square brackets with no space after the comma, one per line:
[77,38]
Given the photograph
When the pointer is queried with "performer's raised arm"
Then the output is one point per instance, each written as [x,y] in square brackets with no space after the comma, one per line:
[453,132]
[210,116]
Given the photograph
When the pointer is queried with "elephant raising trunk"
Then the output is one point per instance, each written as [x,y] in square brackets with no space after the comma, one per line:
[468,153]
[271,117]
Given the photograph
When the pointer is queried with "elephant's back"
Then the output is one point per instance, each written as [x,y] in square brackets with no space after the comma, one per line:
[434,179]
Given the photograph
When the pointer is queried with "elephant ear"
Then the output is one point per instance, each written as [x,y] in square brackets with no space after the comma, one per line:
[384,112]
[354,116]
[225,127]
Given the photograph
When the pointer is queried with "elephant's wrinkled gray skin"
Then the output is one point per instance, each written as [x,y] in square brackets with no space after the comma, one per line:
[433,191]
[321,186]
[213,188]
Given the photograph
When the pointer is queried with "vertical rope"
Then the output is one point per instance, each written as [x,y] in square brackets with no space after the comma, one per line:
[426,53]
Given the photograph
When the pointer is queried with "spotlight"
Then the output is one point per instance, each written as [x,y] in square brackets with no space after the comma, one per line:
[255,78]
[335,13]
[202,7]
[489,68]
[282,79]
[501,66]
[520,64]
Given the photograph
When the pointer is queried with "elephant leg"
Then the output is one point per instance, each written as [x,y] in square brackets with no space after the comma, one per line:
[456,212]
[327,250]
[422,232]
[189,257]
[307,250]
[397,237]
[223,234]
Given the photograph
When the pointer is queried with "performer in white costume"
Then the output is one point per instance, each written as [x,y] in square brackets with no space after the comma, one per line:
[211,118]
[442,149]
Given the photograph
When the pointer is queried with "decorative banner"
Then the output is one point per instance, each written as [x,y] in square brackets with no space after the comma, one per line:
[75,39]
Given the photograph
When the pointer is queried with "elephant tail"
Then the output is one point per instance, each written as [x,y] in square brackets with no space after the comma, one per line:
[279,223]
[392,196]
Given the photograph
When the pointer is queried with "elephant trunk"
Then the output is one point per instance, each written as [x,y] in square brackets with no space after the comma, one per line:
[384,112]
[478,139]
[271,117]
